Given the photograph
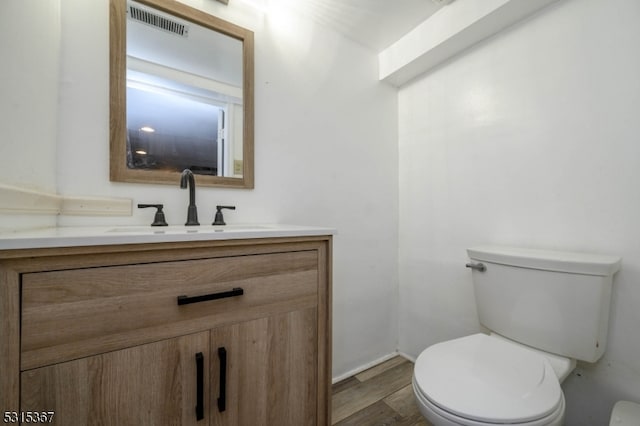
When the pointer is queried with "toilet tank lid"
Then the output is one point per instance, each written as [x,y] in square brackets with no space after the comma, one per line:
[548,260]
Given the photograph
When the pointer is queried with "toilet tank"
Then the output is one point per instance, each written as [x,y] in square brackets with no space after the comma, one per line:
[554,301]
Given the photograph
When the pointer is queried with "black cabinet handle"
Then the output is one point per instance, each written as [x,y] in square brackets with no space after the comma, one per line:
[199,386]
[184,300]
[222,399]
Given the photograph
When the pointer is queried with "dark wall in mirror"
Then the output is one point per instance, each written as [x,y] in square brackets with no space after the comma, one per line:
[181,95]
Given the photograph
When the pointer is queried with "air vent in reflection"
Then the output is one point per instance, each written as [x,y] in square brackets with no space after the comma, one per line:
[160,22]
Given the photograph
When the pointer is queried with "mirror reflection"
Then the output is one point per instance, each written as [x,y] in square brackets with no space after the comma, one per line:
[184,86]
[187,96]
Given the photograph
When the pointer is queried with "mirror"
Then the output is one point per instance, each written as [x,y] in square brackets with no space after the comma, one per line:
[181,95]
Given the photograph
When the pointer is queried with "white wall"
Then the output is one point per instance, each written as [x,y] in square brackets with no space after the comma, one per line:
[530,139]
[325,155]
[30,46]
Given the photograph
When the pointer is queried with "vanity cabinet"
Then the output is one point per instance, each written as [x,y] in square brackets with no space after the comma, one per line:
[146,384]
[206,333]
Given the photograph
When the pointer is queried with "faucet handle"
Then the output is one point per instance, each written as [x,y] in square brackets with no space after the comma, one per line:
[219,219]
[158,220]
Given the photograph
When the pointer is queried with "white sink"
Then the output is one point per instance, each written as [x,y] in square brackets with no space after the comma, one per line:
[181,229]
[90,236]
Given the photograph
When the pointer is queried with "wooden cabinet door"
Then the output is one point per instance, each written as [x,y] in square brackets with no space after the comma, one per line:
[271,371]
[151,384]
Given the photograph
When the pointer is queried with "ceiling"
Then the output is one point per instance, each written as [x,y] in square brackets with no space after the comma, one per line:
[375,24]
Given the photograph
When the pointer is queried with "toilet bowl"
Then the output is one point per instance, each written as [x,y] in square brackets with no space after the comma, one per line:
[484,380]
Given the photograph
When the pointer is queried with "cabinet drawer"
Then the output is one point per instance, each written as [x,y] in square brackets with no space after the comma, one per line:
[75,313]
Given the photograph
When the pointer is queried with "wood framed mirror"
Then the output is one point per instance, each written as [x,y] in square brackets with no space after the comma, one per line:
[181,95]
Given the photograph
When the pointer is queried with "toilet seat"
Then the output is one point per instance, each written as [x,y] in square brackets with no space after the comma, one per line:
[441,417]
[482,379]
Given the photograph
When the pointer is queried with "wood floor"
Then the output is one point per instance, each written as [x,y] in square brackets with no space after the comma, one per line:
[380,396]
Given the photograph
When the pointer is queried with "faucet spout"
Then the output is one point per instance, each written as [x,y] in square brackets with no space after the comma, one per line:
[192,210]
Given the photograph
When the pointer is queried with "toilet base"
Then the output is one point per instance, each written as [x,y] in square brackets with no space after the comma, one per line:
[440,417]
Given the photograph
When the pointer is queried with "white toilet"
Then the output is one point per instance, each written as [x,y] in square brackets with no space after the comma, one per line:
[544,310]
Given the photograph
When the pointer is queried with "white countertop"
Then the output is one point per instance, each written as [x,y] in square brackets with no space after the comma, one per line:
[93,236]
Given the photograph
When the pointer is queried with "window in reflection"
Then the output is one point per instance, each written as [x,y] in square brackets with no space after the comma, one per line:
[188,130]
[185,82]
[190,127]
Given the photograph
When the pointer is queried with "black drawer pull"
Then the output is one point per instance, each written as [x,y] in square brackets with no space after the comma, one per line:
[184,300]
[199,386]
[222,399]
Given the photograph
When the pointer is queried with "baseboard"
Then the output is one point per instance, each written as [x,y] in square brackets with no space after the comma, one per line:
[407,357]
[366,366]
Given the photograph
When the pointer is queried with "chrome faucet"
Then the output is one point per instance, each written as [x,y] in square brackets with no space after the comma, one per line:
[192,211]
